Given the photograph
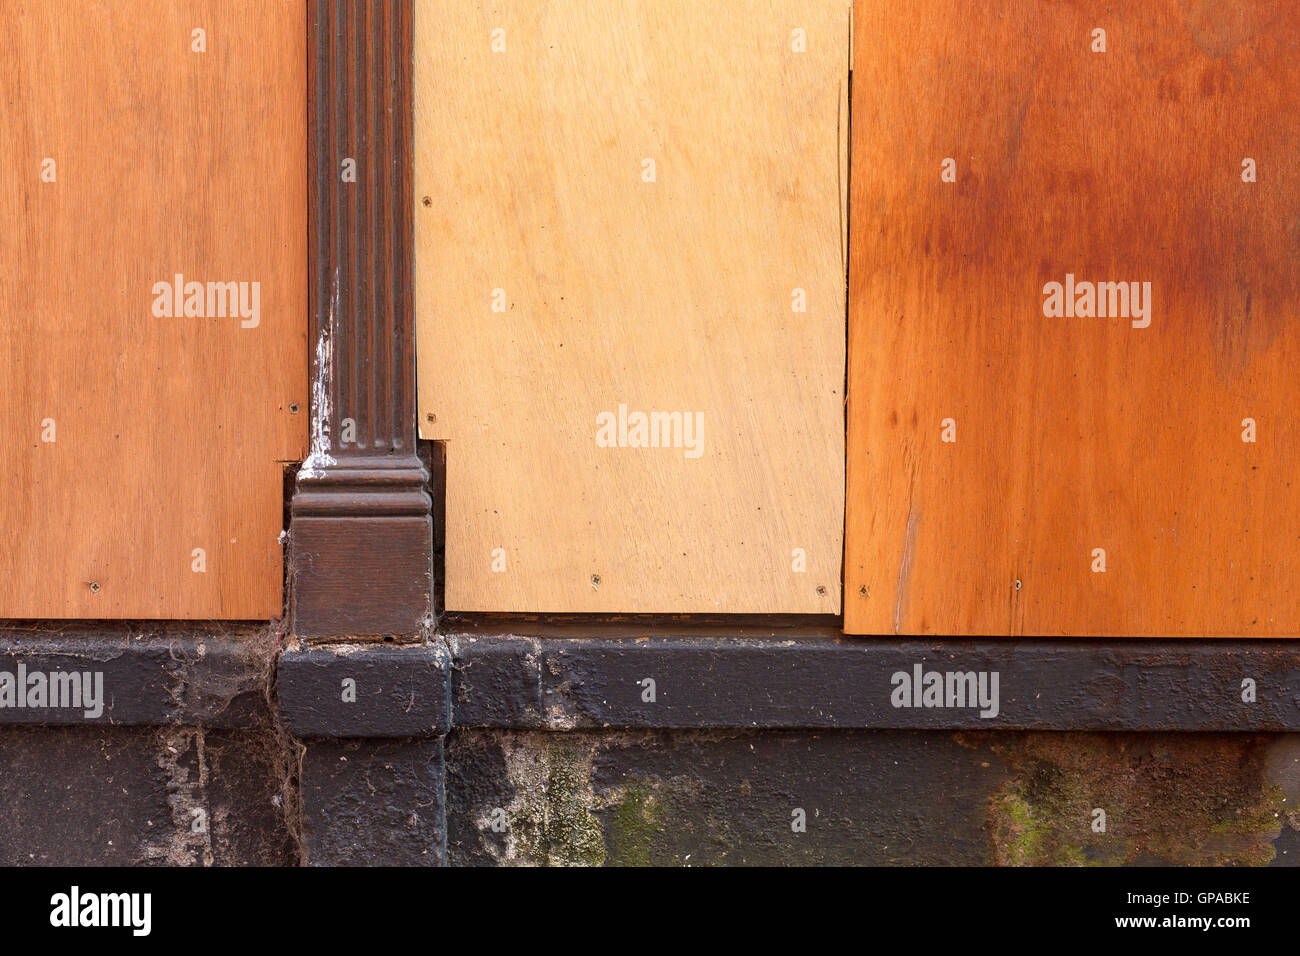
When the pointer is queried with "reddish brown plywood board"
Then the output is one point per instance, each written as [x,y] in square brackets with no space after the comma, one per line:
[628,208]
[141,448]
[1099,482]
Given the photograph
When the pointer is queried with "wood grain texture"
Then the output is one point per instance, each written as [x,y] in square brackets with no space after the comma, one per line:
[671,295]
[361,533]
[171,433]
[1074,433]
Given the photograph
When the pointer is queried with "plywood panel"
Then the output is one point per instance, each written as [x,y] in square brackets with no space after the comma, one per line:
[561,290]
[131,433]
[1075,434]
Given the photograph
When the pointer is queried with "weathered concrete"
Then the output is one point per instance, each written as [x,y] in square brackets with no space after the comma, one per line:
[554,755]
[884,797]
[89,796]
[373,803]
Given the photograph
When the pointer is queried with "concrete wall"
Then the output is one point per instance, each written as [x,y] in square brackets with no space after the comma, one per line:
[871,797]
[488,746]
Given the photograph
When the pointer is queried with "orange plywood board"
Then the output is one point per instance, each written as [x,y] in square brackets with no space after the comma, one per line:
[143,435]
[1023,459]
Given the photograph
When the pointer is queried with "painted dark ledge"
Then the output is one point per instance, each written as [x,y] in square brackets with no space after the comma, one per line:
[818,679]
[587,676]
[153,674]
[396,690]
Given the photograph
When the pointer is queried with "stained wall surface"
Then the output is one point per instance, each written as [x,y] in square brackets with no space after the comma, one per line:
[1030,458]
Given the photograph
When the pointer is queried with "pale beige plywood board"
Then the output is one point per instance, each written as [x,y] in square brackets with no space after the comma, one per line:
[671,295]
[142,454]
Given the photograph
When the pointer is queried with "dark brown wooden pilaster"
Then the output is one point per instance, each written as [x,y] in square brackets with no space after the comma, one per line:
[361,533]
